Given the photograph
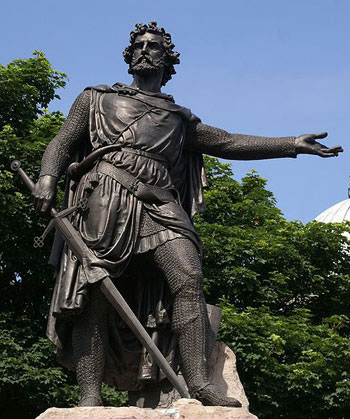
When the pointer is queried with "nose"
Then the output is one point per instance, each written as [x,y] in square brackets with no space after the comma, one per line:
[144,48]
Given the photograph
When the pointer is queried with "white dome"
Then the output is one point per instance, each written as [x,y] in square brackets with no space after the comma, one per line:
[338,213]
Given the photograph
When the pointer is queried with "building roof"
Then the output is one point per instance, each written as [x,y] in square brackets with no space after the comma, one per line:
[338,213]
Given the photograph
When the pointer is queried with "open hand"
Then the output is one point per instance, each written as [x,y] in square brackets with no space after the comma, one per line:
[307,144]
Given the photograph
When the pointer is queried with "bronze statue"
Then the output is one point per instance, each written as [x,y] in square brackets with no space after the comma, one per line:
[143,179]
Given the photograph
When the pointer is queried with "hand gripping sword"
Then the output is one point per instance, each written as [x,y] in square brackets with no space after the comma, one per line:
[88,259]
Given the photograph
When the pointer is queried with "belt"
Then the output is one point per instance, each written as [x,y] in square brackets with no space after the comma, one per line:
[147,154]
[141,190]
[76,170]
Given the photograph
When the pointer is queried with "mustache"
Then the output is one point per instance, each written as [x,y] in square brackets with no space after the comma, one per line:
[144,58]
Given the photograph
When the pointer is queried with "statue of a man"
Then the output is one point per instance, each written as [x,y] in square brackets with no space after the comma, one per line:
[160,154]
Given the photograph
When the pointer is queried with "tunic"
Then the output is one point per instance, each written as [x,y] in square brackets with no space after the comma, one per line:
[111,226]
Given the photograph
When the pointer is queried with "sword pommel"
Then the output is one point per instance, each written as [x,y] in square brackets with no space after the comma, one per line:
[15,165]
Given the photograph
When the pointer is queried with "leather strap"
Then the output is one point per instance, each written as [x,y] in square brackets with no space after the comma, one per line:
[135,186]
[147,154]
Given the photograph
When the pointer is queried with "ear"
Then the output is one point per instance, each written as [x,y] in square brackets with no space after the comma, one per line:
[128,53]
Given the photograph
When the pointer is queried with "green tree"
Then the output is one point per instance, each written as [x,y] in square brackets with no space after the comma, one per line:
[284,288]
[30,379]
[27,86]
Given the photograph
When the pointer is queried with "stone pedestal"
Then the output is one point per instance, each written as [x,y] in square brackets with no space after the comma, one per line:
[181,409]
[223,373]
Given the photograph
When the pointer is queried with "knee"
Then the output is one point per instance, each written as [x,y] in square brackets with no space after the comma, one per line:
[96,308]
[191,284]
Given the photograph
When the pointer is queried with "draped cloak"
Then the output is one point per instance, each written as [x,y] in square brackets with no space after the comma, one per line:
[151,123]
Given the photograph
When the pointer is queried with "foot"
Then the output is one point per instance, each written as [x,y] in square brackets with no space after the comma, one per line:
[211,396]
[90,401]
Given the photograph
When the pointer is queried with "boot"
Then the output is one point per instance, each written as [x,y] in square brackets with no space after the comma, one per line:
[209,395]
[192,341]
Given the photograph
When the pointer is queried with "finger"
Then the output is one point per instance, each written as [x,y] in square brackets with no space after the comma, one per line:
[327,154]
[35,197]
[320,135]
[338,148]
[335,149]
[47,202]
[38,203]
[34,200]
[45,206]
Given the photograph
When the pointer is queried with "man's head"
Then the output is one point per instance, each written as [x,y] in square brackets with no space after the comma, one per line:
[150,51]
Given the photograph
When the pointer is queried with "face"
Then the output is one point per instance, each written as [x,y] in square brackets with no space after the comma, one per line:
[149,54]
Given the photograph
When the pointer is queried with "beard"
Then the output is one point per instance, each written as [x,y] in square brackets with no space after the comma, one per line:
[144,65]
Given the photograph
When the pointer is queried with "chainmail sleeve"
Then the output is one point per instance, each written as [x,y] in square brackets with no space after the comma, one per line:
[217,142]
[60,150]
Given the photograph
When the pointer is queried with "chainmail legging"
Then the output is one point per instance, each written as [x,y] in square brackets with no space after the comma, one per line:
[89,340]
[179,262]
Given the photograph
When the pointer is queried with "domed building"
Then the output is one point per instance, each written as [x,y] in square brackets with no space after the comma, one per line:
[338,213]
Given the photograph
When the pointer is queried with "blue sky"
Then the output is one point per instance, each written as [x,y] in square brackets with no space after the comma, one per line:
[271,67]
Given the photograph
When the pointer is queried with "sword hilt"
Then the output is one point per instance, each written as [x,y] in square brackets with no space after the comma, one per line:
[16,167]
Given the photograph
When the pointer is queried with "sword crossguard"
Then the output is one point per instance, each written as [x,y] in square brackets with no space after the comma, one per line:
[83,204]
[38,242]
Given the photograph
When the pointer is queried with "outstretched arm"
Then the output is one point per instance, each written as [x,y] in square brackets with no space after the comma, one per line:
[60,150]
[217,142]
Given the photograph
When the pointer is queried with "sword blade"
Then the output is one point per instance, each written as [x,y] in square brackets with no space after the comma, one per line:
[79,248]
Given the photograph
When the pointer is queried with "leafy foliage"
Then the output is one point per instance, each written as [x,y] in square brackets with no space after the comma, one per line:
[31,381]
[284,288]
[291,367]
[27,86]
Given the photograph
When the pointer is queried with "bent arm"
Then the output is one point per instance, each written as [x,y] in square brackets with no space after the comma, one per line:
[60,150]
[219,143]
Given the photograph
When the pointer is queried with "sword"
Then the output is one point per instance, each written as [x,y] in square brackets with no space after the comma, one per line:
[91,267]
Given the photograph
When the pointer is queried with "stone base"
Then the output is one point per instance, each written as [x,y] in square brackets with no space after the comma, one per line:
[181,409]
[222,373]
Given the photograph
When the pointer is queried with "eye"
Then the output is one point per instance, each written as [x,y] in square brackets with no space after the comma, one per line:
[138,45]
[154,45]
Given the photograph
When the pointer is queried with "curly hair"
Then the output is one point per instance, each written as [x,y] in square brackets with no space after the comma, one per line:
[171,57]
